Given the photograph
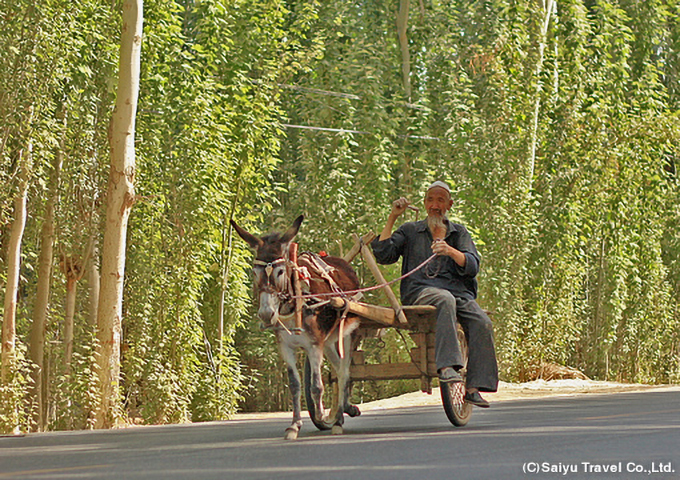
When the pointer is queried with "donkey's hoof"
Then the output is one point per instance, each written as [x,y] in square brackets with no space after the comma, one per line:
[291,434]
[353,411]
[336,430]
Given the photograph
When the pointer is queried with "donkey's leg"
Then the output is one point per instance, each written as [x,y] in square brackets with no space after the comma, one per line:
[336,362]
[316,389]
[294,384]
[342,366]
[335,416]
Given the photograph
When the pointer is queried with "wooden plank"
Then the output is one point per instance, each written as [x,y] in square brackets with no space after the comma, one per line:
[430,354]
[415,314]
[297,288]
[388,371]
[423,353]
[421,358]
[382,315]
[384,371]
[431,339]
[420,311]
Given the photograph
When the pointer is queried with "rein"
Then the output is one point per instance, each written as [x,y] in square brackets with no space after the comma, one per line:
[367,289]
[293,270]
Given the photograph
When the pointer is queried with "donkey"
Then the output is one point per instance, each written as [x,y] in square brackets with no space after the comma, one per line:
[322,324]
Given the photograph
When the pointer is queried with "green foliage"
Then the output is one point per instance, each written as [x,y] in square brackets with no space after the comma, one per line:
[74,392]
[576,245]
[14,404]
[208,142]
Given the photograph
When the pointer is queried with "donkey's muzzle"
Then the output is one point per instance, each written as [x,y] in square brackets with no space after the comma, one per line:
[269,308]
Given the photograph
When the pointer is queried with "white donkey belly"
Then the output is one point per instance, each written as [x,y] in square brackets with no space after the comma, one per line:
[303,340]
[292,341]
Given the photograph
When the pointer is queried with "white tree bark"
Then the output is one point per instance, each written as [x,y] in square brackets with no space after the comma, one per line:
[548,6]
[120,197]
[73,268]
[92,275]
[13,267]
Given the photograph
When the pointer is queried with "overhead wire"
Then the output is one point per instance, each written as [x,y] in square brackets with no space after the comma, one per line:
[350,96]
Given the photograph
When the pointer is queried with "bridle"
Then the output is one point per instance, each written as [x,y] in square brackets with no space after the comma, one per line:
[282,288]
[284,291]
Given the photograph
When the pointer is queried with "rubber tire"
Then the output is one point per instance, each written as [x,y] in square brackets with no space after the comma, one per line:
[308,398]
[453,394]
[457,410]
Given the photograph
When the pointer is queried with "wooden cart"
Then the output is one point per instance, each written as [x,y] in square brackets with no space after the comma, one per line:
[420,323]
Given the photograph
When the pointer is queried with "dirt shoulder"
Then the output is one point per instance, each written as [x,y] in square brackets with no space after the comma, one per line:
[516,391]
[506,392]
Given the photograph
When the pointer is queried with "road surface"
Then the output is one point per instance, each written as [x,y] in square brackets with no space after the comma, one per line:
[619,436]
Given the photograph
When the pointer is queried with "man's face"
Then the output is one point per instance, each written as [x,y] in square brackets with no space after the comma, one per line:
[437,202]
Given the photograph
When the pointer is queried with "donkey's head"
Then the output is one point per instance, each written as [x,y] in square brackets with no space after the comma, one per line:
[271,277]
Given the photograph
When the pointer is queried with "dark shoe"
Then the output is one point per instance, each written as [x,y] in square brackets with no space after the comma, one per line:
[449,375]
[476,399]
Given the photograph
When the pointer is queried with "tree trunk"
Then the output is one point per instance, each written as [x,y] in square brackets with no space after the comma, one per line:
[73,267]
[71,290]
[13,267]
[548,6]
[37,339]
[402,25]
[92,272]
[120,197]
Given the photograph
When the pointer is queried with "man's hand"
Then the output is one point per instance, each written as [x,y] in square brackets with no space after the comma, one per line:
[440,247]
[399,206]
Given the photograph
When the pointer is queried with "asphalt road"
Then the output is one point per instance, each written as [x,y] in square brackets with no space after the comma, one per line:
[620,436]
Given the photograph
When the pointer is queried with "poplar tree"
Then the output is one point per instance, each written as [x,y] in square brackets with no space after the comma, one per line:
[119,200]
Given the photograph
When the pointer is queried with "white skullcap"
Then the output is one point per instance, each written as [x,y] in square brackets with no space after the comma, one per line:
[440,184]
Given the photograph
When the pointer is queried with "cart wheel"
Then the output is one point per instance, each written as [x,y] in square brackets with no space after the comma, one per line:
[308,398]
[453,394]
[456,409]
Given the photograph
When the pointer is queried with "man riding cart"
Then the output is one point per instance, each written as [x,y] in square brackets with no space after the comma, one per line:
[448,282]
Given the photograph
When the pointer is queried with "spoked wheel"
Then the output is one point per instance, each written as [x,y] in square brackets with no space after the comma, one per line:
[453,394]
[458,411]
[310,403]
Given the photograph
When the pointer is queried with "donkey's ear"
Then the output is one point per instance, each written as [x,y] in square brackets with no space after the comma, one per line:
[250,239]
[292,230]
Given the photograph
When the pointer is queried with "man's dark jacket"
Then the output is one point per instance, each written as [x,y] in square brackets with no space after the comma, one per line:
[413,241]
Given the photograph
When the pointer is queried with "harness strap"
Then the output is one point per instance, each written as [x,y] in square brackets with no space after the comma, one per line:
[275,262]
[340,325]
[260,263]
[322,269]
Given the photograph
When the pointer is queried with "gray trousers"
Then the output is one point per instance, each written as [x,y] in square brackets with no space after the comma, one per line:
[482,368]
